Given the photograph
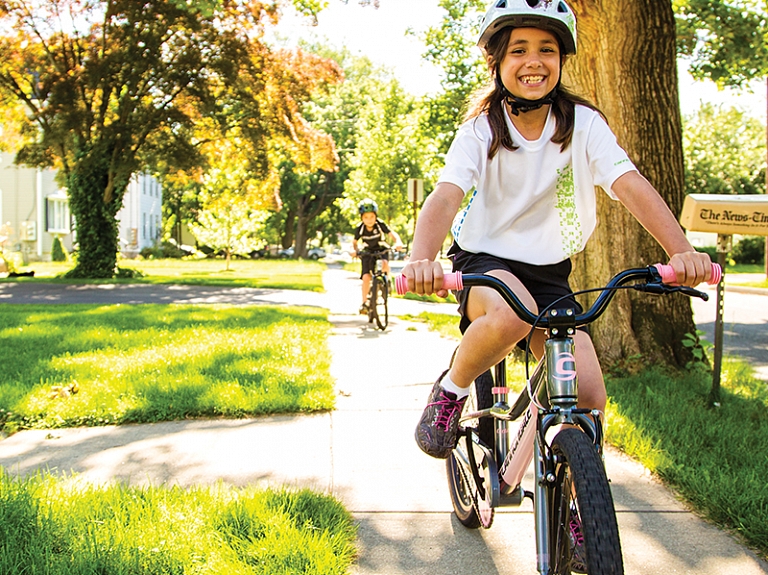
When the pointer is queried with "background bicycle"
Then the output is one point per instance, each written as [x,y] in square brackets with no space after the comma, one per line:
[378,295]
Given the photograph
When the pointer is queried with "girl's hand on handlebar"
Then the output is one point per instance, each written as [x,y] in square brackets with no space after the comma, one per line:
[691,268]
[425,277]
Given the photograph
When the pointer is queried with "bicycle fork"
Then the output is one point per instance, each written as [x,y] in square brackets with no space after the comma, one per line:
[555,387]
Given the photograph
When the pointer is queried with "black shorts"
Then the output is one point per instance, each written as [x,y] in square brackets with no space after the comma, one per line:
[546,283]
[369,262]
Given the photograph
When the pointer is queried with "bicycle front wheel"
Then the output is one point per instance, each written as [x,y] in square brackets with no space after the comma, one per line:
[585,534]
[380,294]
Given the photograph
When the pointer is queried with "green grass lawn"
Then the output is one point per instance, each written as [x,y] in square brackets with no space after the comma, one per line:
[57,527]
[84,364]
[69,365]
[714,457]
[278,274]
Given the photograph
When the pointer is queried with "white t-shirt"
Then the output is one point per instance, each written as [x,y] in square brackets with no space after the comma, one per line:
[535,205]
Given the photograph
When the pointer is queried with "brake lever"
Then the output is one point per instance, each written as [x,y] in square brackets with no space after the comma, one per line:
[692,292]
[662,288]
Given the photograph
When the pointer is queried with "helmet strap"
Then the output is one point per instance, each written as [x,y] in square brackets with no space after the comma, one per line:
[518,104]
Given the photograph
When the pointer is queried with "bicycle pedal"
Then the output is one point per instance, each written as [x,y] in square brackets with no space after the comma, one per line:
[529,495]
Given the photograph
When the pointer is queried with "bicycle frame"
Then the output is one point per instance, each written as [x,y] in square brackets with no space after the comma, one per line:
[553,383]
[377,275]
[377,265]
[549,401]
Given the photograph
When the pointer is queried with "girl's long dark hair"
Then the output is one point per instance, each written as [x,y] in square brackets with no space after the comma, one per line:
[489,100]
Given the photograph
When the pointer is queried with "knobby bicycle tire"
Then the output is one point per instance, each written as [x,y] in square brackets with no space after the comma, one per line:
[582,487]
[379,295]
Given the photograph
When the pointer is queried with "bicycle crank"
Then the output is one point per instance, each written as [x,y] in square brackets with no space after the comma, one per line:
[480,473]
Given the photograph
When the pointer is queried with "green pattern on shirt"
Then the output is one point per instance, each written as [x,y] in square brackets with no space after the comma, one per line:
[570,227]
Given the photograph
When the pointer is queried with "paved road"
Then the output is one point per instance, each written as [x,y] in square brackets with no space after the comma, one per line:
[364,454]
[745,325]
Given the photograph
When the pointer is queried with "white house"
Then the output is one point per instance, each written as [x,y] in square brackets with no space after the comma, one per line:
[140,218]
[34,209]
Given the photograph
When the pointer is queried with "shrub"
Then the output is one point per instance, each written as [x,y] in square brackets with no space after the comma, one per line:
[58,251]
[750,250]
[711,251]
[162,251]
[13,261]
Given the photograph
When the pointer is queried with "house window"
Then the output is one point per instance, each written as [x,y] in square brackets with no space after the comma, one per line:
[57,215]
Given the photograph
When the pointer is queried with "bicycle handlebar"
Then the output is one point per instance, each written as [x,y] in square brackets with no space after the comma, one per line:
[376,253]
[652,280]
[668,276]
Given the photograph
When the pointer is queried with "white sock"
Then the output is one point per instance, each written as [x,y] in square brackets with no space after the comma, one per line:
[447,384]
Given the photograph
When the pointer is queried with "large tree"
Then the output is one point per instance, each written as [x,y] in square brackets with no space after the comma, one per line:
[450,47]
[309,191]
[391,149]
[113,85]
[627,65]
[725,41]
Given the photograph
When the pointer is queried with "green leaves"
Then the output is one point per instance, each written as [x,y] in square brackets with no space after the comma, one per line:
[452,47]
[726,40]
[724,152]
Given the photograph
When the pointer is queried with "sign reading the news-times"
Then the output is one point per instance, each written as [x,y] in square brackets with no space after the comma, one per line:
[726,214]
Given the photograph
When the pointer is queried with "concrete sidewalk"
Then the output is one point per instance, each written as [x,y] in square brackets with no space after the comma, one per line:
[364,454]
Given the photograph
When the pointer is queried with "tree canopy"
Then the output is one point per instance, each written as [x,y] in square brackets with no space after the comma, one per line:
[724,152]
[725,41]
[112,87]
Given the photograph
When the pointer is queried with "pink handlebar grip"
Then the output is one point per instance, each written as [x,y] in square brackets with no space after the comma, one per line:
[450,281]
[668,274]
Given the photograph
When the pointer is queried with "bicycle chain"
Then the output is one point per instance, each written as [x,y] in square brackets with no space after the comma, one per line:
[469,479]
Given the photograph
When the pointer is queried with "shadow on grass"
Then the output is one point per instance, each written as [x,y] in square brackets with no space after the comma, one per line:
[708,454]
[157,362]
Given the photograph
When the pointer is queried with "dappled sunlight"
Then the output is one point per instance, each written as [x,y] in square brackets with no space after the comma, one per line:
[112,364]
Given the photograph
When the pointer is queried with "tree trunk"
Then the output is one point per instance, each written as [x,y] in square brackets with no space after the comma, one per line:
[300,250]
[288,233]
[626,64]
[97,229]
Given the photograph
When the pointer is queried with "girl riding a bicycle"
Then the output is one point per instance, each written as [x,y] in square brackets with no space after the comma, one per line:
[530,153]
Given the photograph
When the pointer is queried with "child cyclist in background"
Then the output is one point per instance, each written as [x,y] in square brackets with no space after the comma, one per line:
[530,153]
[372,233]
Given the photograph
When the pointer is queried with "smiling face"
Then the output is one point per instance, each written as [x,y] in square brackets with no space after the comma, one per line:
[369,218]
[530,68]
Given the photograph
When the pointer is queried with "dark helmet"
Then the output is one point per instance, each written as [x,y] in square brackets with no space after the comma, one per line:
[368,205]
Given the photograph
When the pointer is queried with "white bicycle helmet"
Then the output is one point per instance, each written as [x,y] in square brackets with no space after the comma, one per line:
[553,15]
